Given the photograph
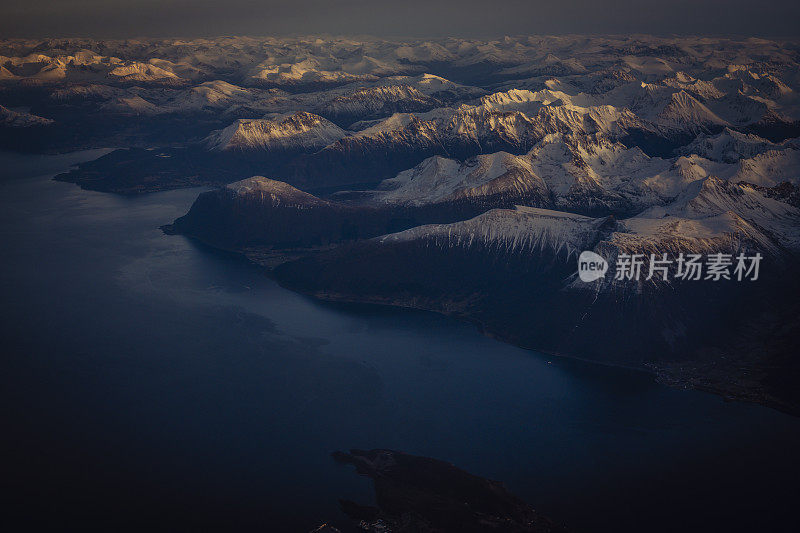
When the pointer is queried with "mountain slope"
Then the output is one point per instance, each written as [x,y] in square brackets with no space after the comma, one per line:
[299,131]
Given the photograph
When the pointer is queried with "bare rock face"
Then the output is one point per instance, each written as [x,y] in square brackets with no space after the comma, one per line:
[16,119]
[420,494]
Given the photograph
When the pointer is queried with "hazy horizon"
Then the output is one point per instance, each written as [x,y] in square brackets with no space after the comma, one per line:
[414,19]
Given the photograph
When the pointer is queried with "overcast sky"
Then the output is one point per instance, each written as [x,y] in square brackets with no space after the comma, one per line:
[412,18]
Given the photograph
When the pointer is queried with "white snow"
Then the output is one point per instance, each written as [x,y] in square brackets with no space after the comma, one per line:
[282,132]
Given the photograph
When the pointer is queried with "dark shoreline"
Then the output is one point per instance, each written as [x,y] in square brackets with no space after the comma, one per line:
[660,372]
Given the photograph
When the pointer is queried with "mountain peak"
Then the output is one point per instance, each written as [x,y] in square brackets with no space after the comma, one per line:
[294,131]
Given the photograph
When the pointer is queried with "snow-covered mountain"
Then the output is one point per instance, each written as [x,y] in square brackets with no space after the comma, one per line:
[438,179]
[581,173]
[711,214]
[459,175]
[521,230]
[215,95]
[729,146]
[770,168]
[141,72]
[397,101]
[298,131]
[377,101]
[272,193]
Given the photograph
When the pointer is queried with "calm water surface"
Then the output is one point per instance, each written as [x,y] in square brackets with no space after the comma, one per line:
[150,383]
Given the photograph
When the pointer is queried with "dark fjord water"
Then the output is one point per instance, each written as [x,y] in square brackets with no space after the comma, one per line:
[148,383]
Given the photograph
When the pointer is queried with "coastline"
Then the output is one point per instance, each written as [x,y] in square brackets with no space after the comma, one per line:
[663,373]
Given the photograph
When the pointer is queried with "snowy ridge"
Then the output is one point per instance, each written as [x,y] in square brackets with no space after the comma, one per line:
[770,168]
[487,126]
[307,71]
[519,230]
[729,146]
[271,192]
[137,71]
[216,94]
[710,216]
[299,131]
[439,179]
[369,101]
[560,168]
[665,87]
[771,222]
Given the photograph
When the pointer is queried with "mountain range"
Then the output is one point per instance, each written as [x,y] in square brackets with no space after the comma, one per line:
[467,177]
